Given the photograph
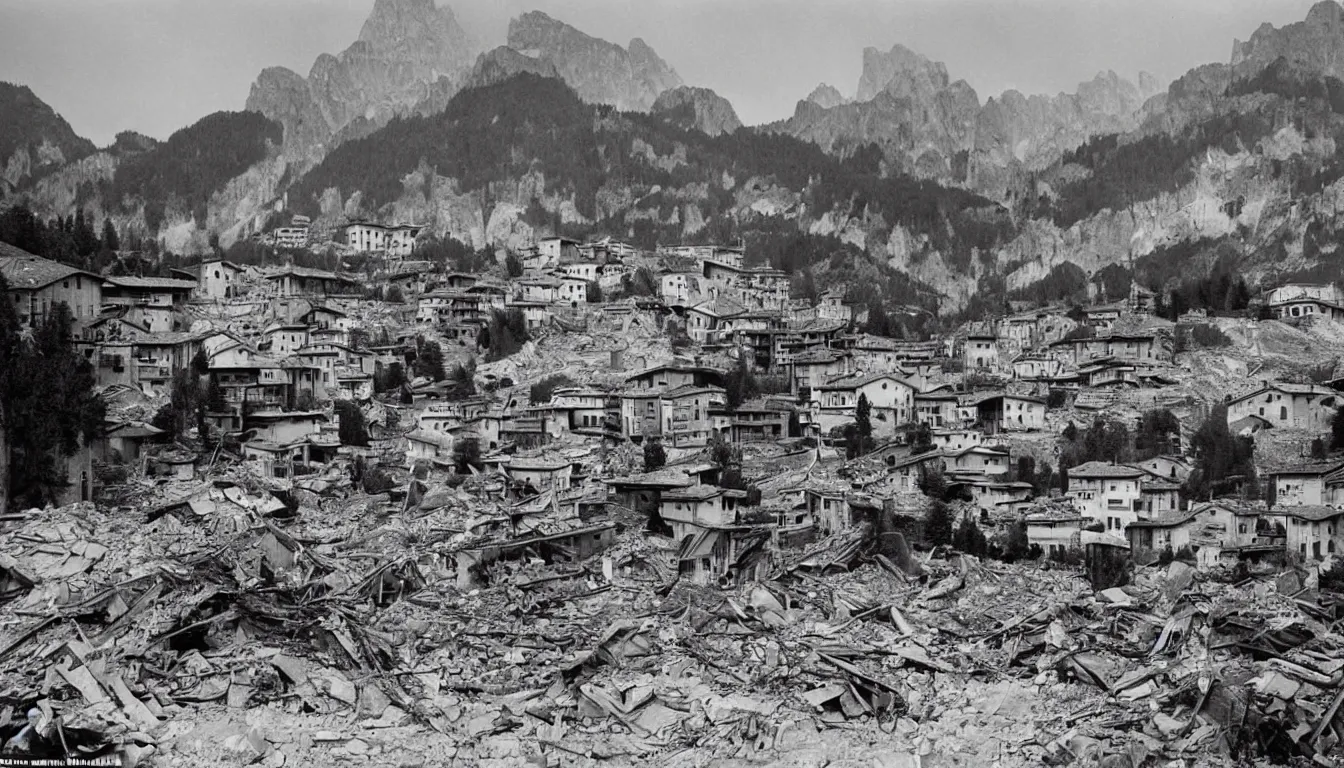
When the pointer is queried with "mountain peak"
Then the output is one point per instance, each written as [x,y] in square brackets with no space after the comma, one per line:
[700,109]
[406,51]
[1315,43]
[901,71]
[601,72]
[825,96]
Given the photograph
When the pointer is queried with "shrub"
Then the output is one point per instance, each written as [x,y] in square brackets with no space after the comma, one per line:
[655,456]
[541,392]
[1070,556]
[938,524]
[1332,578]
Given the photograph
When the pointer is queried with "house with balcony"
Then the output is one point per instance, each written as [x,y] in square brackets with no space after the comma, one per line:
[690,414]
[688,510]
[757,420]
[937,408]
[1135,347]
[580,410]
[153,302]
[157,356]
[1110,494]
[1010,413]
[316,283]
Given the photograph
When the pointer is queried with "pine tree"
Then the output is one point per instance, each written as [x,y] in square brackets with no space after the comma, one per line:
[863,419]
[938,524]
[48,407]
[110,240]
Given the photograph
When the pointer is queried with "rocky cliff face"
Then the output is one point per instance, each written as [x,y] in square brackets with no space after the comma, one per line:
[698,109]
[34,140]
[500,64]
[599,71]
[826,96]
[936,128]
[900,71]
[405,51]
[1316,43]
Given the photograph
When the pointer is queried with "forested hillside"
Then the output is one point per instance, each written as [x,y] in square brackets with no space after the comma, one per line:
[182,172]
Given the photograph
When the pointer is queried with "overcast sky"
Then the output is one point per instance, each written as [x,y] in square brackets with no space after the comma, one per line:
[157,65]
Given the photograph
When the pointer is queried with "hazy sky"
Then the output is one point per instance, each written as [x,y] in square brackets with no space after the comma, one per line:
[157,65]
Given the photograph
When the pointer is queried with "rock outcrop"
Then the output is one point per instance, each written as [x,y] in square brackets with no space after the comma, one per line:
[934,127]
[504,62]
[698,109]
[599,71]
[34,140]
[900,71]
[826,96]
[1315,43]
[406,51]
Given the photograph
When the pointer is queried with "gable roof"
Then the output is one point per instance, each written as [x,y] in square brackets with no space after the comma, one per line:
[25,271]
[1104,469]
[161,283]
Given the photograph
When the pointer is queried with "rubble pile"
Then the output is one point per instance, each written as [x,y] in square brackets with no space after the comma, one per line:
[233,627]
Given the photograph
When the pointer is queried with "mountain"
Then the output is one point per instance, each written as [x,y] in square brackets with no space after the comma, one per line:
[934,127]
[698,109]
[900,71]
[34,140]
[405,50]
[502,63]
[826,96]
[1315,43]
[600,72]
[507,163]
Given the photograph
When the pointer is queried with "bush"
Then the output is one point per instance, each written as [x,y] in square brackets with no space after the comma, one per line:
[351,429]
[970,539]
[1332,578]
[505,335]
[541,392]
[1058,398]
[1200,335]
[1071,556]
[655,456]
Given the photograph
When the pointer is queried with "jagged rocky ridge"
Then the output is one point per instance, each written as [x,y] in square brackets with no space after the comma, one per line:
[1240,155]
[934,127]
[600,72]
[406,49]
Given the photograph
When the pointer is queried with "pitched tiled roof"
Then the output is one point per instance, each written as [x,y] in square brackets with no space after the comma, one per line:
[165,283]
[25,271]
[1104,469]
